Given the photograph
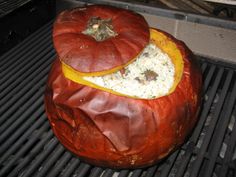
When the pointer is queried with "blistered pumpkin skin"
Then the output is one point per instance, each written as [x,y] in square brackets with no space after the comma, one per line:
[120,132]
[84,53]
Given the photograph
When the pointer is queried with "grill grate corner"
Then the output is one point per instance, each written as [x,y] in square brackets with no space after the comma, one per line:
[29,148]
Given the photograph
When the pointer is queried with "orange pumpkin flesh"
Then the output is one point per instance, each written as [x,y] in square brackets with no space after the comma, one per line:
[87,55]
[156,37]
[115,131]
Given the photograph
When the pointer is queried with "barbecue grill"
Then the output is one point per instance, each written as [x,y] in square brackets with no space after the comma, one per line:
[29,148]
[30,14]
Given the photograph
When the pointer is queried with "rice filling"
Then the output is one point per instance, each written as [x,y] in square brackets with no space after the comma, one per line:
[150,76]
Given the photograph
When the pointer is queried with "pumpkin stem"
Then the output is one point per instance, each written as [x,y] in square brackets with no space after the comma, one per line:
[99,29]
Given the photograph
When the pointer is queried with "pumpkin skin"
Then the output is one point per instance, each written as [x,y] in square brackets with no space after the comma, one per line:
[115,131]
[83,53]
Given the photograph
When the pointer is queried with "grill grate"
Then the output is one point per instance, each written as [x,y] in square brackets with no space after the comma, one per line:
[8,6]
[29,148]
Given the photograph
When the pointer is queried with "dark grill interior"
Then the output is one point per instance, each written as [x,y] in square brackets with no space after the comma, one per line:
[10,5]
[20,18]
[29,148]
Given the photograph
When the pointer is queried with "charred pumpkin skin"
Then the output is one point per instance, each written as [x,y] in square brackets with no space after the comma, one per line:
[120,132]
[83,53]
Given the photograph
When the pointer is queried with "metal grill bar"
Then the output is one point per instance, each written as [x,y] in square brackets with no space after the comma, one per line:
[7,147]
[203,67]
[72,165]
[123,173]
[29,148]
[51,160]
[16,114]
[6,142]
[206,107]
[95,172]
[20,66]
[228,154]
[22,150]
[36,164]
[82,170]
[14,86]
[19,71]
[150,171]
[108,173]
[36,150]
[223,122]
[212,126]
[61,162]
[208,78]
[17,91]
[12,4]
[19,50]
[137,173]
[167,168]
[14,103]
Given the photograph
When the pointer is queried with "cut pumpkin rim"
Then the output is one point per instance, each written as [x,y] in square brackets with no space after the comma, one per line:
[161,40]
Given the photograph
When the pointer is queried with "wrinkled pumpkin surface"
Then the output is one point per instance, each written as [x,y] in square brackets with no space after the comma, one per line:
[116,131]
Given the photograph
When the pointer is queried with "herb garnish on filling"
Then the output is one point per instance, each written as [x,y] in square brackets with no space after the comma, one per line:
[150,75]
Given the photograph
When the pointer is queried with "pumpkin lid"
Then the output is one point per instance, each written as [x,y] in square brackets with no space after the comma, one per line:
[99,39]
[166,50]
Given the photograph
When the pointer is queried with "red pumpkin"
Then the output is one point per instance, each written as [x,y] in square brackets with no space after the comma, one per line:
[115,131]
[130,34]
